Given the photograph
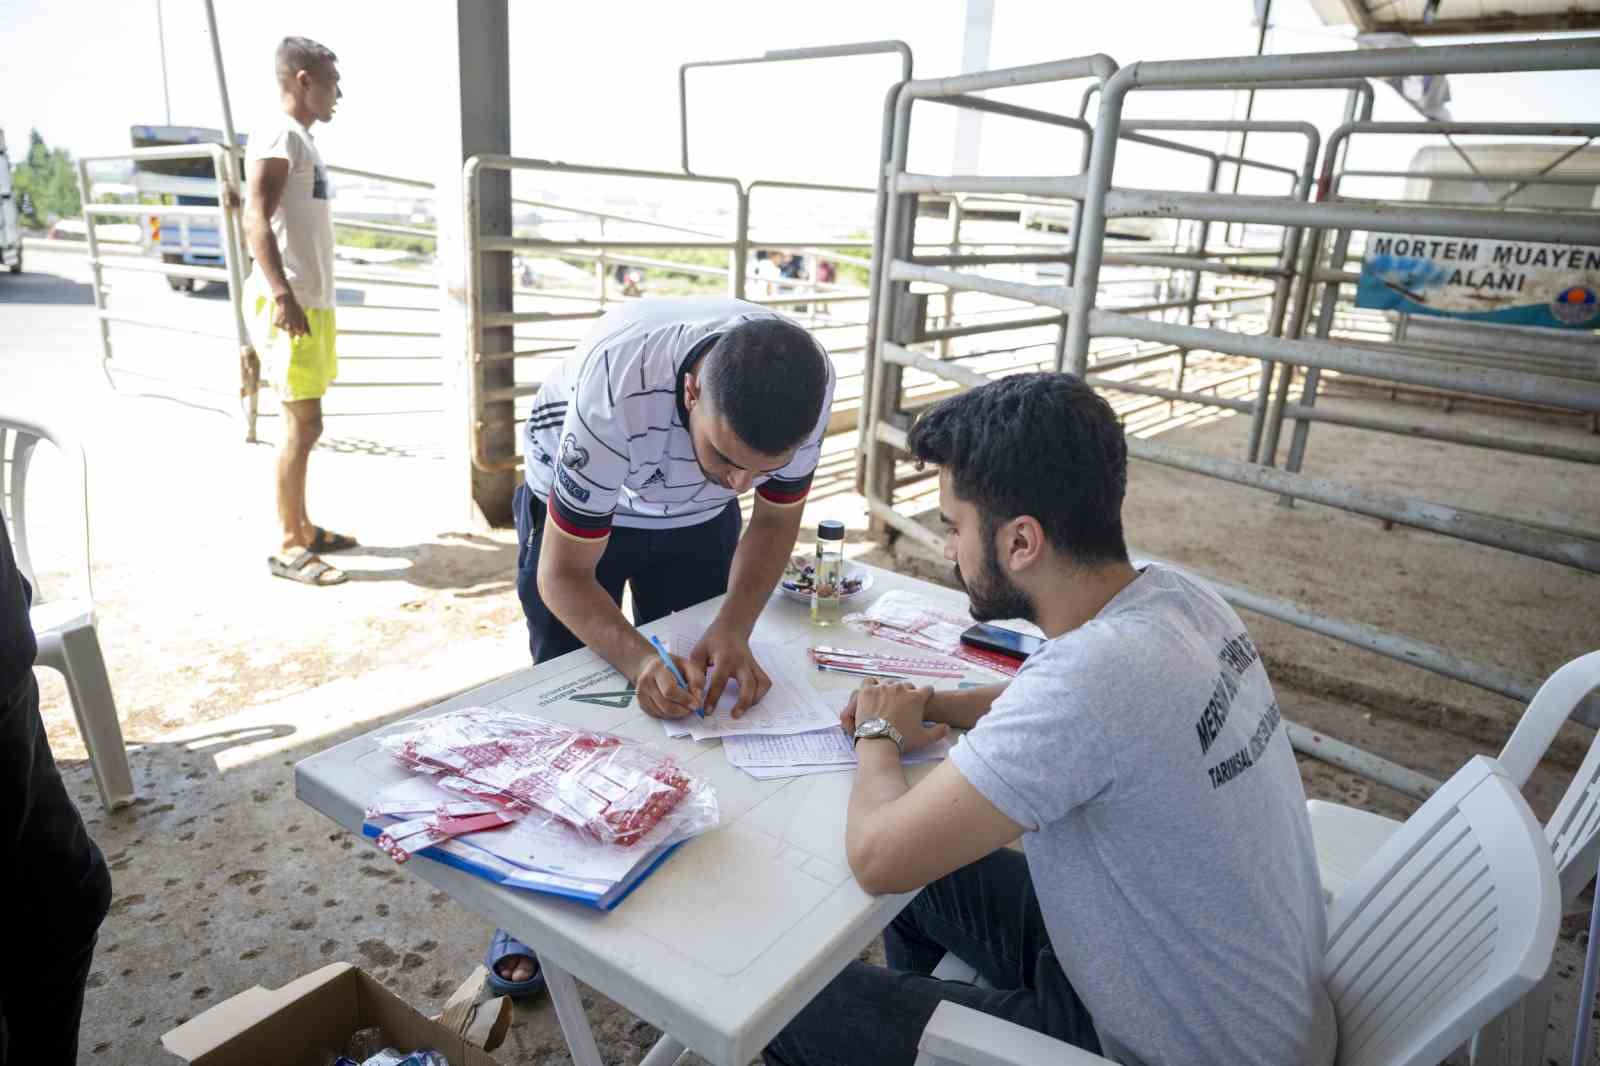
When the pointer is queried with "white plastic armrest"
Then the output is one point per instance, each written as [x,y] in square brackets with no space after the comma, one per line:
[957,1034]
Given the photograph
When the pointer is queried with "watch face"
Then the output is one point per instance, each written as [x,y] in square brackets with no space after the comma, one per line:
[872,727]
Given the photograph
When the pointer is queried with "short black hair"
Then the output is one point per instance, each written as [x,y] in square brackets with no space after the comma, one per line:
[1041,444]
[300,53]
[767,377]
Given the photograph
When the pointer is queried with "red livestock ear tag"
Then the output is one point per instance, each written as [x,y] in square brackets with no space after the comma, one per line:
[417,808]
[877,664]
[475,823]
[404,839]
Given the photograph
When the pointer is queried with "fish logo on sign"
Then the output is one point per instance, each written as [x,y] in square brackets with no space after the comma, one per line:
[1575,305]
[616,700]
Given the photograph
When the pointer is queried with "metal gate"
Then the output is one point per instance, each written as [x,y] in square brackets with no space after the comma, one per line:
[220,368]
[1091,315]
[1464,343]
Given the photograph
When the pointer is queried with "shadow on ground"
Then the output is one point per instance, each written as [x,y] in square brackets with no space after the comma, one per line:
[467,563]
[389,449]
[43,289]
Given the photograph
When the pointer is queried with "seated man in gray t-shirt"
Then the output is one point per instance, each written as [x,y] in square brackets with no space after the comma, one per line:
[1165,907]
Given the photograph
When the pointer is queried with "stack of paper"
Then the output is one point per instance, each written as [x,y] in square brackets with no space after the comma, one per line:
[790,706]
[793,731]
[537,853]
[825,751]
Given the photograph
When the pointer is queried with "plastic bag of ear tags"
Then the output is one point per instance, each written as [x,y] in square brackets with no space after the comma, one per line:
[614,790]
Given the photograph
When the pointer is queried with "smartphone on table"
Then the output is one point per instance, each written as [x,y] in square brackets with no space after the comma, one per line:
[1006,642]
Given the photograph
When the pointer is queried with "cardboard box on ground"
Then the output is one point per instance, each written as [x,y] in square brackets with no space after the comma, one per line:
[310,1017]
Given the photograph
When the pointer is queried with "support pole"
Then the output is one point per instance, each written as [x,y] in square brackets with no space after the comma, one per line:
[473,37]
[978,27]
[231,140]
[1249,111]
[232,228]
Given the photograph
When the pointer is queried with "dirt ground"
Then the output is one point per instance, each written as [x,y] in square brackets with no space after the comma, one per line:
[225,677]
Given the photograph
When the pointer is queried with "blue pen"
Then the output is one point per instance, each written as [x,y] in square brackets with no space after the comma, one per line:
[661,650]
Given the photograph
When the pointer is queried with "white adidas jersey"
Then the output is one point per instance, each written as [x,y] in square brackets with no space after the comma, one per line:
[606,442]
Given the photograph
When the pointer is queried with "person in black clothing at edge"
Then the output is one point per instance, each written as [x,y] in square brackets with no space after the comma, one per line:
[54,886]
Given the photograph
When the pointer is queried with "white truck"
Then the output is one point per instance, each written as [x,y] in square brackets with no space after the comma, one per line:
[11,208]
[190,183]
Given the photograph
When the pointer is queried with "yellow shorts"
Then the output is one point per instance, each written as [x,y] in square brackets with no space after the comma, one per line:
[299,368]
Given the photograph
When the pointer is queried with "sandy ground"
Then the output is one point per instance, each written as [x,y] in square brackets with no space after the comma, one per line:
[225,677]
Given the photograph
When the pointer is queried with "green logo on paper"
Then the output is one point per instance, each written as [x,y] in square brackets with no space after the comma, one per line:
[607,699]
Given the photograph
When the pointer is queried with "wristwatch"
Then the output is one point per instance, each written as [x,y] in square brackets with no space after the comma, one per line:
[880,727]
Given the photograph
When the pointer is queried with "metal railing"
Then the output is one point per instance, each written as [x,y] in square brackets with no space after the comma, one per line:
[228,231]
[236,255]
[1552,355]
[827,309]
[1570,547]
[231,248]
[1083,299]
[1537,540]
[492,408]
[1197,259]
[907,64]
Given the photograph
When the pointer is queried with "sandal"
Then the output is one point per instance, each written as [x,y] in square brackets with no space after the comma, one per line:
[324,542]
[303,566]
[502,946]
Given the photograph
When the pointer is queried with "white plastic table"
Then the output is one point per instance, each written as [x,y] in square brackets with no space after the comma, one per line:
[732,935]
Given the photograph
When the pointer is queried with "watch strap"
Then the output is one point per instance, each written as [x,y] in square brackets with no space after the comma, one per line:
[887,731]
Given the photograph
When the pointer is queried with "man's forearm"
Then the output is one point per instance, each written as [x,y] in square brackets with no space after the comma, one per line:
[589,612]
[962,709]
[880,781]
[758,563]
[264,247]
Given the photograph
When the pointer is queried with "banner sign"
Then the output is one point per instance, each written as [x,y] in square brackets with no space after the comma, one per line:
[1511,282]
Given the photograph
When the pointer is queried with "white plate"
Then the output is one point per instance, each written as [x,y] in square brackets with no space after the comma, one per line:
[850,570]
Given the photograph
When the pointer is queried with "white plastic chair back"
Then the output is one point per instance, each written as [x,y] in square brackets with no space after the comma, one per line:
[1548,711]
[19,437]
[1450,923]
[1574,829]
[1518,1037]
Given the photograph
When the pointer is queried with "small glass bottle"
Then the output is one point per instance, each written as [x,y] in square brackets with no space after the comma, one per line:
[827,582]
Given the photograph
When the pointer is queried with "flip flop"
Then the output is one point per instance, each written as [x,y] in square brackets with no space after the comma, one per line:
[302,565]
[324,542]
[501,946]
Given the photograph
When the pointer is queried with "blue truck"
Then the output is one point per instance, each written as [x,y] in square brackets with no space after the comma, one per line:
[188,182]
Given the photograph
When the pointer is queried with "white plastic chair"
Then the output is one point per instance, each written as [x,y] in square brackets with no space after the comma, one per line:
[1450,923]
[65,628]
[1346,837]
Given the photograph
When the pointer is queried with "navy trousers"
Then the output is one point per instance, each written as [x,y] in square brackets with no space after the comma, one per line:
[988,915]
[667,569]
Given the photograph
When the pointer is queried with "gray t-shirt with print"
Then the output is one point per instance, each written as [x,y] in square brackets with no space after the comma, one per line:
[1167,833]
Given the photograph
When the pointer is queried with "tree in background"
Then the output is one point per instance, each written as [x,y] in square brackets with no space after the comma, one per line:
[50,179]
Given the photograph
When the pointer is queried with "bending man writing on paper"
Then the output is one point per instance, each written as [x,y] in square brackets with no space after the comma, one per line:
[1165,907]
[636,453]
